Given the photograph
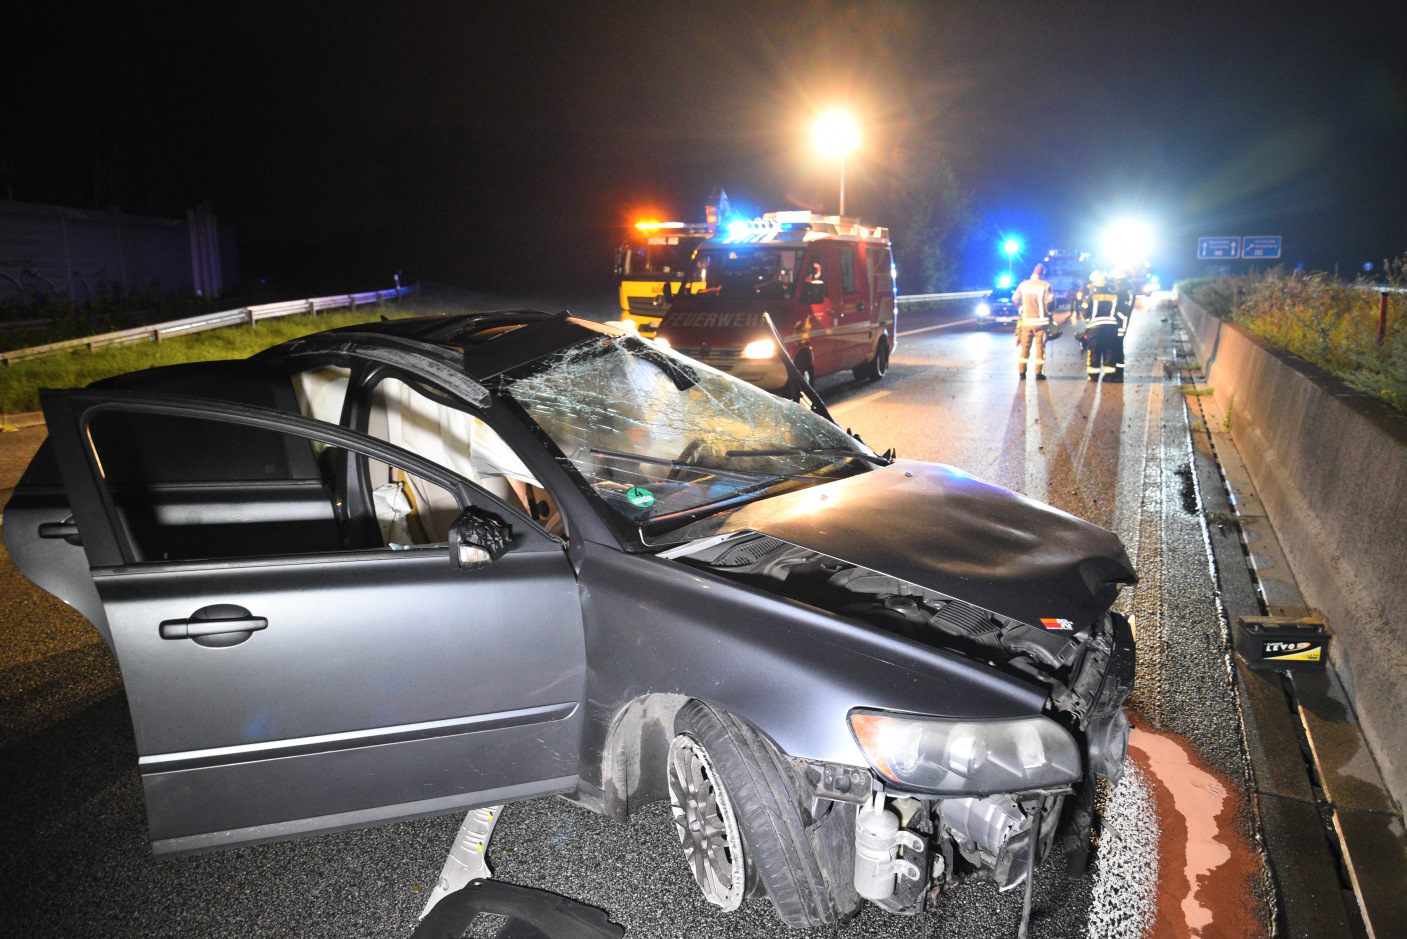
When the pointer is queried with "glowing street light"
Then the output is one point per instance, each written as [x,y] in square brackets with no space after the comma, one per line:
[836,134]
[1012,247]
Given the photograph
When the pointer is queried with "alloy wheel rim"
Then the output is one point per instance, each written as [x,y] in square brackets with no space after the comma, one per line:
[705,824]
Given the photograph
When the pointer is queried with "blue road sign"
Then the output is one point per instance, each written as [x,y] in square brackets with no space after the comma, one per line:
[1260,246]
[1218,249]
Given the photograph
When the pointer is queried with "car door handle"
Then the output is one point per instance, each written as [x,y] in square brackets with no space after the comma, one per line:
[67,530]
[217,620]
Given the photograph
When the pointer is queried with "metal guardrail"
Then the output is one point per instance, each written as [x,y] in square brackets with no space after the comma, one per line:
[923,297]
[249,315]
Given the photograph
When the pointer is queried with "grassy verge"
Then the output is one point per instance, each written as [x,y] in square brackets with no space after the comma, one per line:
[103,314]
[1332,324]
[20,382]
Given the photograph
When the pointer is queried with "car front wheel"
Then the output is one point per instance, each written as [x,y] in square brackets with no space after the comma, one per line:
[874,369]
[737,812]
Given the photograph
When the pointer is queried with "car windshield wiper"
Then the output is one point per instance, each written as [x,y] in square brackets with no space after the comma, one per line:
[809,451]
[679,464]
[663,524]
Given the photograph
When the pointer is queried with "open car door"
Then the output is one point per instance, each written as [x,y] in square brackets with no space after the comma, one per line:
[288,670]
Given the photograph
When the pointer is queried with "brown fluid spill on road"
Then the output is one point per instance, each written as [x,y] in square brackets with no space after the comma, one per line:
[1207,867]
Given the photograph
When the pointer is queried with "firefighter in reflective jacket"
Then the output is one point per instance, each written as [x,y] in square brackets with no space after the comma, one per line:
[1035,298]
[1124,290]
[1103,324]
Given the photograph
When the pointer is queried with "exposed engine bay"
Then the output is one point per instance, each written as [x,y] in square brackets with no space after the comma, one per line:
[908,845]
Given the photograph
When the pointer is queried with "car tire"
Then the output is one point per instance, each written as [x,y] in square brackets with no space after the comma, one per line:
[751,790]
[875,368]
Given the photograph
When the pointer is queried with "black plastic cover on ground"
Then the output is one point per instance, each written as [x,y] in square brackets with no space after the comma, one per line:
[531,914]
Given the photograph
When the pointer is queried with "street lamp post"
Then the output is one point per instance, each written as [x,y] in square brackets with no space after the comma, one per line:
[836,134]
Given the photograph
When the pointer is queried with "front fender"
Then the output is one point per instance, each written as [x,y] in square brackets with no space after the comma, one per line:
[656,627]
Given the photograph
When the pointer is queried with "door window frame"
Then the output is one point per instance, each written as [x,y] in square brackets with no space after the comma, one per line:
[68,414]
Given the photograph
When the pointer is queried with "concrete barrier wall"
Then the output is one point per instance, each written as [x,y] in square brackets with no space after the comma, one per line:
[1330,465]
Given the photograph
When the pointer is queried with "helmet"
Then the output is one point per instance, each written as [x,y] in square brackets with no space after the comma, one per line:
[1097,278]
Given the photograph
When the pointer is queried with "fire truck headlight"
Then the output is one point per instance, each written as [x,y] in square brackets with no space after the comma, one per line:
[983,311]
[661,342]
[628,326]
[761,349]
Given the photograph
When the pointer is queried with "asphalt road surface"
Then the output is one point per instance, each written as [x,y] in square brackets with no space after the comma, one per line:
[76,861]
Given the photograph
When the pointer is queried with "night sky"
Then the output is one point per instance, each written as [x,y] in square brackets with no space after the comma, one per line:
[502,146]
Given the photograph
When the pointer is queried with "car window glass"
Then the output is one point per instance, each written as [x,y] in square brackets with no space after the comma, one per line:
[847,269]
[881,269]
[457,440]
[189,489]
[136,448]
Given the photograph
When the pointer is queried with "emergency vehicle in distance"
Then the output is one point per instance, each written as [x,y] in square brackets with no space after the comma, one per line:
[998,308]
[1067,273]
[826,281]
[656,254]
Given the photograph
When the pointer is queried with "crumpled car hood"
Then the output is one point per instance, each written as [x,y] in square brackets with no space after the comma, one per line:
[940,528]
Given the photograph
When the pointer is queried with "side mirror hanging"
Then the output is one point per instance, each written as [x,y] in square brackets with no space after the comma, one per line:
[478,537]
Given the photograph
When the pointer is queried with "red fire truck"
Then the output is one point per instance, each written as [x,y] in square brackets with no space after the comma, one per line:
[826,281]
[1067,272]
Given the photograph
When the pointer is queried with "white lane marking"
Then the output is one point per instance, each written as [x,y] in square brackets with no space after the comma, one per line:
[1085,438]
[912,332]
[865,400]
[1136,446]
[1037,478]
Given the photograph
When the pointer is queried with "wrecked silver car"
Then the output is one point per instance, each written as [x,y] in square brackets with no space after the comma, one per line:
[432,565]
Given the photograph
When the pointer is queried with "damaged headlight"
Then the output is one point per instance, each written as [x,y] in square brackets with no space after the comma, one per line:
[956,757]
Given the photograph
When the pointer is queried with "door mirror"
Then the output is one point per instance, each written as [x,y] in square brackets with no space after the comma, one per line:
[813,292]
[478,537]
[668,292]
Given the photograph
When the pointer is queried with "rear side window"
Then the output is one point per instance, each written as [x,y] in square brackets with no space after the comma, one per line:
[847,269]
[135,447]
[881,269]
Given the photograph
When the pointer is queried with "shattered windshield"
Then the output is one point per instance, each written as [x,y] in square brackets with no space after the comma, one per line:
[652,433]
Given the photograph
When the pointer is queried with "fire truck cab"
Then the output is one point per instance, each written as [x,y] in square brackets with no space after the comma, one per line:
[826,281]
[656,253]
